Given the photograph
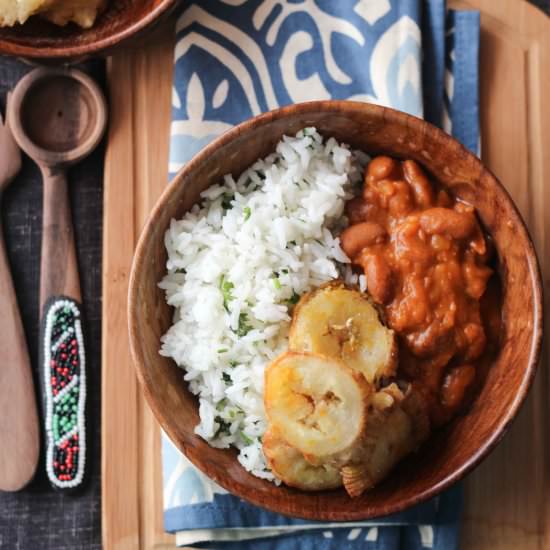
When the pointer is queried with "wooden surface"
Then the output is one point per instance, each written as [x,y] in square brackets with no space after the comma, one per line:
[18,417]
[508,497]
[136,171]
[507,504]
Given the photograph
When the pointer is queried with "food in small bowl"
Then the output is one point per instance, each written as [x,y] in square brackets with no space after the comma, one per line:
[60,12]
[73,29]
[335,408]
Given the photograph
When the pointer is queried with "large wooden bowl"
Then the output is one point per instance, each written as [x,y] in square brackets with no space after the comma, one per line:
[121,20]
[451,452]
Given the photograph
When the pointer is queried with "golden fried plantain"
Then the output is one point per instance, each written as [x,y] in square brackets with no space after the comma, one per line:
[289,465]
[18,11]
[339,322]
[60,12]
[81,12]
[318,403]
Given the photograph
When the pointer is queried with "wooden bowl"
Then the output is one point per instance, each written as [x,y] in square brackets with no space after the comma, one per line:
[451,452]
[121,20]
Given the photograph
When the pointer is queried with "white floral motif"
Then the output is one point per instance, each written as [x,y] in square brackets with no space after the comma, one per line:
[371,11]
[372,535]
[195,130]
[354,533]
[175,98]
[307,88]
[327,25]
[249,49]
[426,536]
[195,124]
[395,62]
[220,95]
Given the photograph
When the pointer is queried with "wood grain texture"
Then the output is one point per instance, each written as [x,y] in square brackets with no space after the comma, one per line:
[18,417]
[507,503]
[58,117]
[58,265]
[507,497]
[136,169]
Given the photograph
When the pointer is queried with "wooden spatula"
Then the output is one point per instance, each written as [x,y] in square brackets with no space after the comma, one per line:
[19,434]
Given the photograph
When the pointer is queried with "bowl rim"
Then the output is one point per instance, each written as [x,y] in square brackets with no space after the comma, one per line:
[13,48]
[391,115]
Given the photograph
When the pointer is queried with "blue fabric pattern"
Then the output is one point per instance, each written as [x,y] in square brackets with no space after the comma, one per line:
[237,58]
[433,62]
[461,117]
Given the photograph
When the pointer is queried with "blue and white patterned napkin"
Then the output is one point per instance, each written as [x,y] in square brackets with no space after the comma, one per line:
[238,58]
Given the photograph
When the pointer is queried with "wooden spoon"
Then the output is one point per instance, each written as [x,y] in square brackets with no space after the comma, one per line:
[19,434]
[58,116]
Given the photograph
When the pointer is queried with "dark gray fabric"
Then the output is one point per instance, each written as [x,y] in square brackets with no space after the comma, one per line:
[543,5]
[38,516]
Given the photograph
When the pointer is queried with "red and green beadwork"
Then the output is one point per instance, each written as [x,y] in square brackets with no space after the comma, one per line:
[65,389]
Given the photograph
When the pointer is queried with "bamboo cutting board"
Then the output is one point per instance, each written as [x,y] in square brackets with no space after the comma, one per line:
[508,496]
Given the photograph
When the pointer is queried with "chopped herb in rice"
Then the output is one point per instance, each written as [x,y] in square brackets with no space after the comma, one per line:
[244,272]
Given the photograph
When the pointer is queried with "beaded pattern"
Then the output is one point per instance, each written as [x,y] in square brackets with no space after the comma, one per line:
[65,389]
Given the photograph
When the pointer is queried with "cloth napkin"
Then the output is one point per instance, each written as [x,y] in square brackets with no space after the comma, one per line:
[237,58]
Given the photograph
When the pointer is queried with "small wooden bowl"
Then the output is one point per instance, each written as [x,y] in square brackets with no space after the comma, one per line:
[451,452]
[121,20]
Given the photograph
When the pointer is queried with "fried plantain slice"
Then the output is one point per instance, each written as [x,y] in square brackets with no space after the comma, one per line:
[18,11]
[289,465]
[318,403]
[340,322]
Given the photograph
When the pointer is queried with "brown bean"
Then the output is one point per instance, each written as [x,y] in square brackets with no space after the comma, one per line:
[358,236]
[401,202]
[475,277]
[421,186]
[443,199]
[462,207]
[379,277]
[478,245]
[455,384]
[408,245]
[357,210]
[446,221]
[381,168]
[429,341]
[475,336]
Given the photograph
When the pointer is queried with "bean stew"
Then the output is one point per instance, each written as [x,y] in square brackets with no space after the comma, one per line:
[430,268]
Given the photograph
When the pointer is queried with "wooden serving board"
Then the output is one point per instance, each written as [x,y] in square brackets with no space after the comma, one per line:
[508,496]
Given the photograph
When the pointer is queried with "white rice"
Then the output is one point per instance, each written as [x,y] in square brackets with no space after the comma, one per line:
[235,266]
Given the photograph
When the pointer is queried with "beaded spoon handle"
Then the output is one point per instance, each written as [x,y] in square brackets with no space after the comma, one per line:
[64,364]
[58,116]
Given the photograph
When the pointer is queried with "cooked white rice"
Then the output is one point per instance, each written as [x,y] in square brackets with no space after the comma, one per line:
[237,264]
